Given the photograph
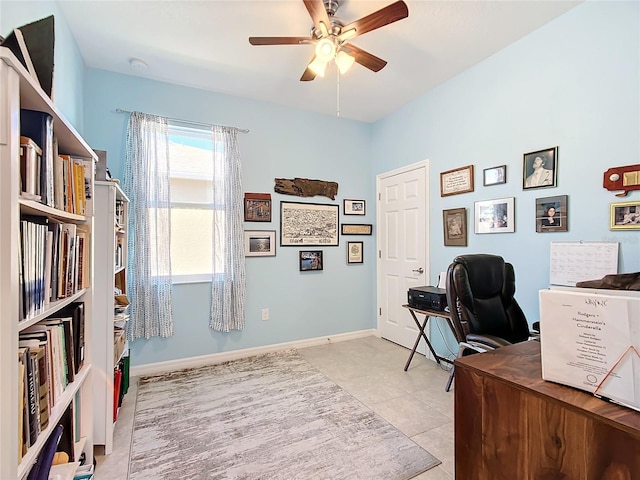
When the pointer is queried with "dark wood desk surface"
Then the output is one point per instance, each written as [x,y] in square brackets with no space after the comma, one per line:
[511,424]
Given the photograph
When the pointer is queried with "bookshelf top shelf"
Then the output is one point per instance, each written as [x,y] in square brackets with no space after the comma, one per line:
[33,97]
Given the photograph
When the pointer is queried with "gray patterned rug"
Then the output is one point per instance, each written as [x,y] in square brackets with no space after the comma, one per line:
[268,417]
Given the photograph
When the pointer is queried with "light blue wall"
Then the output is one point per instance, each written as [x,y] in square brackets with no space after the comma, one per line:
[574,83]
[282,143]
[68,72]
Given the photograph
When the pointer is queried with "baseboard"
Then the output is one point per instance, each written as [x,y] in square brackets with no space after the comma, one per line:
[199,361]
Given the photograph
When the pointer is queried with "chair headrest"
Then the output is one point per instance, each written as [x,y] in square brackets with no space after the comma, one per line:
[485,273]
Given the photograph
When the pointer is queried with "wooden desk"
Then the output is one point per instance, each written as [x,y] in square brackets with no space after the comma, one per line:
[511,424]
[421,326]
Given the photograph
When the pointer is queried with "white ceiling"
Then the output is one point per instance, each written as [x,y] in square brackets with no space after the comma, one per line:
[204,44]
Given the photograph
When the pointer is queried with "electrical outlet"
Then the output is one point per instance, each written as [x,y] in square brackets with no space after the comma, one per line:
[265,314]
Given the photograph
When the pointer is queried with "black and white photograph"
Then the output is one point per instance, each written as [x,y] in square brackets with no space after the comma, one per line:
[304,224]
[454,225]
[311,260]
[551,214]
[539,169]
[625,216]
[354,207]
[495,216]
[259,243]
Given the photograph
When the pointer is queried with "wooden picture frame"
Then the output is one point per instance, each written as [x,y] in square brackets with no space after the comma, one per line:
[552,214]
[303,224]
[354,207]
[454,225]
[458,180]
[355,252]
[356,229]
[257,207]
[494,175]
[540,168]
[625,215]
[259,243]
[311,260]
[495,216]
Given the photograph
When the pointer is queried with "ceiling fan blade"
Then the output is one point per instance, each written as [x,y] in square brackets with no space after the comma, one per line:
[279,40]
[389,14]
[364,58]
[307,76]
[318,13]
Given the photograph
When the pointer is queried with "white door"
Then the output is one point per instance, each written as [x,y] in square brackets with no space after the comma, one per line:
[403,244]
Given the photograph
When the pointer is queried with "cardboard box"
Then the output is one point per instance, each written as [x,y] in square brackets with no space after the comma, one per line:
[590,339]
[119,341]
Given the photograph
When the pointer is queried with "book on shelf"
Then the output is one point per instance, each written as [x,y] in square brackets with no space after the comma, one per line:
[69,347]
[76,311]
[38,126]
[23,421]
[38,350]
[32,264]
[33,404]
[30,162]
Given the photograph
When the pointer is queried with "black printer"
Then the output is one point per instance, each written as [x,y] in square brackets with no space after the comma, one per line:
[427,298]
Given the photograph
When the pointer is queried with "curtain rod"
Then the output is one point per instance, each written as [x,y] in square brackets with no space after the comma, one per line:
[190,122]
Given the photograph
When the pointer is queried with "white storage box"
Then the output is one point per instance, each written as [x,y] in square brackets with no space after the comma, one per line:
[590,339]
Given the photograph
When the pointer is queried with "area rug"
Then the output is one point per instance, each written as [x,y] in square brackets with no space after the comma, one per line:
[267,417]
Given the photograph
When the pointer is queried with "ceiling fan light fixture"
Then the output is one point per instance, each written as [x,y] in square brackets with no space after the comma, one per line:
[325,50]
[344,61]
[318,66]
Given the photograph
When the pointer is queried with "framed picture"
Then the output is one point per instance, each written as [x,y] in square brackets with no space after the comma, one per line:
[552,214]
[354,252]
[494,175]
[354,207]
[311,260]
[308,224]
[356,228]
[454,224]
[625,215]
[458,180]
[539,169]
[495,216]
[259,243]
[257,207]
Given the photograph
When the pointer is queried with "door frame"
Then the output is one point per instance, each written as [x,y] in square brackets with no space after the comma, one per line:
[381,176]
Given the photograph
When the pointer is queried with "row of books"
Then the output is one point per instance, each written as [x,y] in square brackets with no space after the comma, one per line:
[50,355]
[54,179]
[54,262]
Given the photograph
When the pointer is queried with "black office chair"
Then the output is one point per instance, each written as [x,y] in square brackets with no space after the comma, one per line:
[484,311]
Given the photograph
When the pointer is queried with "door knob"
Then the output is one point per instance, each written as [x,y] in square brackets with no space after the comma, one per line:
[419,270]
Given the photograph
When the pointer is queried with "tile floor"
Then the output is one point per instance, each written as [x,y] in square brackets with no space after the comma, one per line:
[371,369]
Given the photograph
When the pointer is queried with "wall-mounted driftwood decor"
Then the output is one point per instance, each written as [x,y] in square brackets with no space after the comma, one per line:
[303,187]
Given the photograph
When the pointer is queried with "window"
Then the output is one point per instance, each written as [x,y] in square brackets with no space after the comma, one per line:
[191,154]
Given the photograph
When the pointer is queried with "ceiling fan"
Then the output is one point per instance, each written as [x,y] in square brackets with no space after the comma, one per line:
[331,36]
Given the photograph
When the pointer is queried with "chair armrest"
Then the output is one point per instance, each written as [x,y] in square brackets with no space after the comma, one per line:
[489,340]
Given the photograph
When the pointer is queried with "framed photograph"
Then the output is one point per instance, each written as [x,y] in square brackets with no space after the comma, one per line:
[354,207]
[552,214]
[310,260]
[454,224]
[308,224]
[356,228]
[625,215]
[540,169]
[257,207]
[458,180]
[494,175]
[354,252]
[495,216]
[259,243]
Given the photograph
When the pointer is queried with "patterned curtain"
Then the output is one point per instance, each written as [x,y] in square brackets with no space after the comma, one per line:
[146,183]
[228,290]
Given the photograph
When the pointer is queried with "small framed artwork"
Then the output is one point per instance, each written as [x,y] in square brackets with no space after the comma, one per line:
[454,224]
[257,207]
[259,243]
[311,260]
[354,207]
[540,168]
[458,180]
[552,214]
[356,228]
[625,215]
[495,216]
[494,175]
[354,252]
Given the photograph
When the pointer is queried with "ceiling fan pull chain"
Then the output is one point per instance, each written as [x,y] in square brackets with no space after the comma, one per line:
[337,92]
